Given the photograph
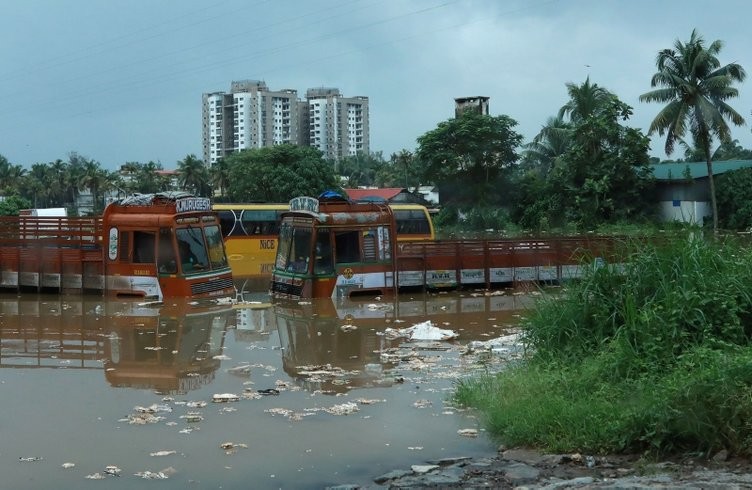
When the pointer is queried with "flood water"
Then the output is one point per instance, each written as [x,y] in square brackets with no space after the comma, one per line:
[325,395]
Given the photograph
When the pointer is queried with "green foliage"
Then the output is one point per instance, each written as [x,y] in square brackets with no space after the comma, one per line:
[360,170]
[194,176]
[604,176]
[467,156]
[10,206]
[279,173]
[734,192]
[653,355]
[695,87]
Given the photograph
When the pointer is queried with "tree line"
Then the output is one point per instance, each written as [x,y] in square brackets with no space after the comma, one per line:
[584,168]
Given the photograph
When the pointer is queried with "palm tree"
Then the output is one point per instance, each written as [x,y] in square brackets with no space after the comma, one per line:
[553,140]
[585,100]
[695,87]
[193,175]
[219,174]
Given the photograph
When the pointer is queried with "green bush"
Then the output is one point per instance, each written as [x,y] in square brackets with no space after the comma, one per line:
[649,355]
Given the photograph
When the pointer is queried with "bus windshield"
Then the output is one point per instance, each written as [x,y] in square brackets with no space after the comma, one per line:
[192,249]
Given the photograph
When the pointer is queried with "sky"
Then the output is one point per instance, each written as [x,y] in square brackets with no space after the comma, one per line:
[121,80]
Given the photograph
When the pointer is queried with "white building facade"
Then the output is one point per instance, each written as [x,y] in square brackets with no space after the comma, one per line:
[252,116]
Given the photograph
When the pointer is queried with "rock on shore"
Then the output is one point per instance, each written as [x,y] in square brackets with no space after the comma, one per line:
[526,469]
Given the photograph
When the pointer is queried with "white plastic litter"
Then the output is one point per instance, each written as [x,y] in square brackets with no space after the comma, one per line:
[422,331]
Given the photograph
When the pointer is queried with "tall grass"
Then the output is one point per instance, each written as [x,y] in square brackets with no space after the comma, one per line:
[654,355]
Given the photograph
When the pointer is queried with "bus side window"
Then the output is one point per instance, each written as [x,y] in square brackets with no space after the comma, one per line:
[347,245]
[323,263]
[166,259]
[143,247]
[124,252]
[370,252]
[227,223]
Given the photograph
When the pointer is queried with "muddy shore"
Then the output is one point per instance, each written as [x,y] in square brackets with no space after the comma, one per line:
[526,469]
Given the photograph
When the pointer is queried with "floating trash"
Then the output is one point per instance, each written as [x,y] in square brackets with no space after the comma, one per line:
[422,403]
[348,328]
[268,392]
[162,453]
[95,476]
[421,331]
[192,417]
[157,475]
[68,466]
[112,470]
[468,432]
[30,459]
[242,370]
[225,398]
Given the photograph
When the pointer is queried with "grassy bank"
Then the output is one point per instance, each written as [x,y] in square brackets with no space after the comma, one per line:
[653,358]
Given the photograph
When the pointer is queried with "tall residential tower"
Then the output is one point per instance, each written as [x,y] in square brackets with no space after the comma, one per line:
[252,116]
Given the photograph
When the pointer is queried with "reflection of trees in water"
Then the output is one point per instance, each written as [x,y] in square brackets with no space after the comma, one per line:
[169,348]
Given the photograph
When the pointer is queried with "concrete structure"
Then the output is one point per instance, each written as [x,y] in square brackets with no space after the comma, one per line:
[338,126]
[683,190]
[252,116]
[477,104]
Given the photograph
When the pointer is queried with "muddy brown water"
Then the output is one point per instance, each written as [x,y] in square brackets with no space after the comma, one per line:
[124,390]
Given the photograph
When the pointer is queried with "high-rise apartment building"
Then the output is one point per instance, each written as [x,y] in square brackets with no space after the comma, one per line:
[338,126]
[252,116]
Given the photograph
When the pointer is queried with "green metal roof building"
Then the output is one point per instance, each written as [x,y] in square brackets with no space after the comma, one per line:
[683,191]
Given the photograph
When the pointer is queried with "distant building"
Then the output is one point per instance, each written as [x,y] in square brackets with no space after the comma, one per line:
[337,125]
[252,116]
[684,189]
[477,104]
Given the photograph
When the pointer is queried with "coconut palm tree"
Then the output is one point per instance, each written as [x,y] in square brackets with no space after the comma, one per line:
[193,175]
[695,87]
[553,140]
[585,100]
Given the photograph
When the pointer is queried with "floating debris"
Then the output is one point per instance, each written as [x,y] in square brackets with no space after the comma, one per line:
[468,432]
[222,357]
[95,476]
[162,453]
[30,459]
[192,417]
[422,403]
[197,404]
[155,408]
[68,466]
[347,408]
[268,392]
[231,447]
[112,470]
[225,398]
[348,328]
[157,475]
[366,401]
[242,370]
[421,331]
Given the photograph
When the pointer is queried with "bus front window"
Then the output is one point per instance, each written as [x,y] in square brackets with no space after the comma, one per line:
[216,248]
[294,249]
[192,249]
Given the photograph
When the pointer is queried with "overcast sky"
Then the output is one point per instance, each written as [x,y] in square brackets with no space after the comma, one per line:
[121,80]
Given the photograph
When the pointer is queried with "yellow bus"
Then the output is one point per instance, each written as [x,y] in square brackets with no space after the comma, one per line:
[250,233]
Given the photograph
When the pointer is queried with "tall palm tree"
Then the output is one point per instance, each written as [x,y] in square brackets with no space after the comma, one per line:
[695,88]
[219,174]
[585,100]
[553,140]
[193,175]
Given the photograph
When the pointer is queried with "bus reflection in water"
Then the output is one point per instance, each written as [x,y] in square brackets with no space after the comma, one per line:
[168,349]
[335,346]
